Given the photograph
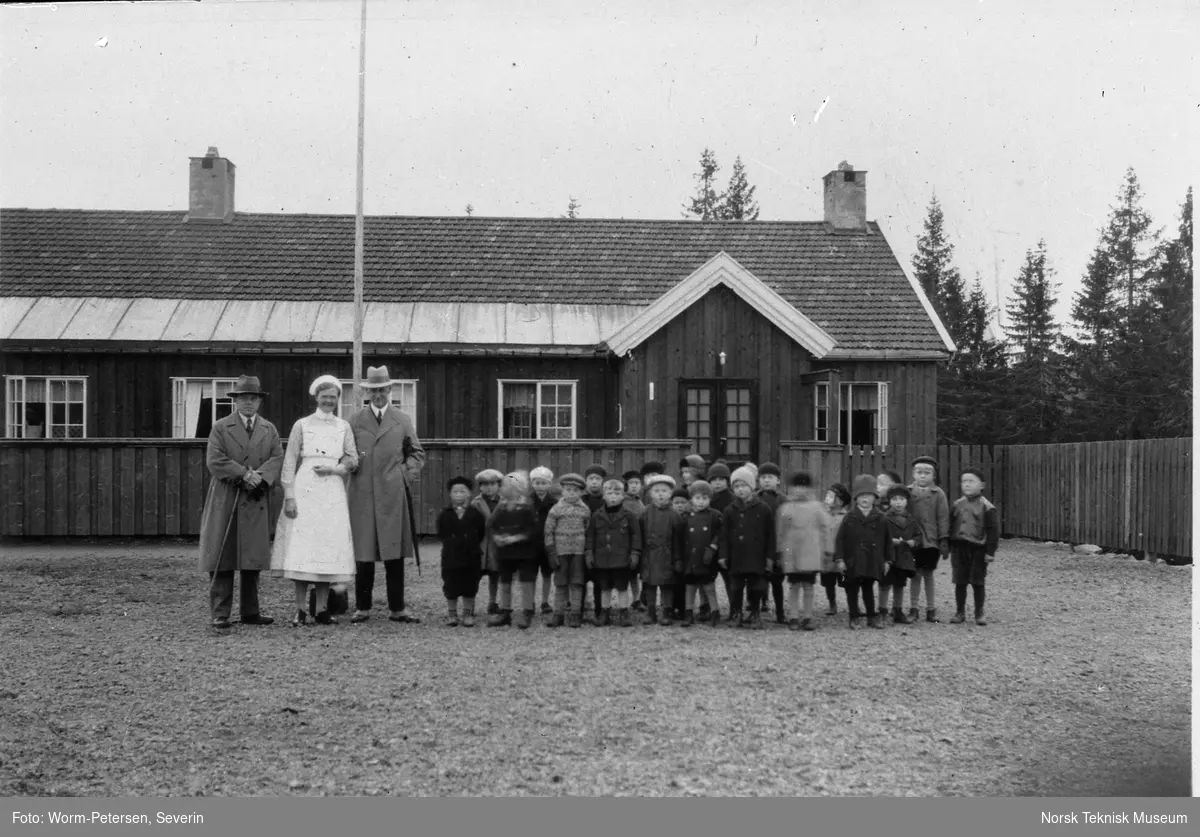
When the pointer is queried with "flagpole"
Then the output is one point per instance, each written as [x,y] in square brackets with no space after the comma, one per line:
[358,215]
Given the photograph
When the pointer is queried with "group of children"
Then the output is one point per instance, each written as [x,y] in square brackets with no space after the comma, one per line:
[645,543]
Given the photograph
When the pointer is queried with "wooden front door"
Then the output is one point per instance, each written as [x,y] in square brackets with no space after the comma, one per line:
[719,416]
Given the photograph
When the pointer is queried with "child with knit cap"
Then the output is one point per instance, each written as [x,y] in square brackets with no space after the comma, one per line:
[747,548]
[681,501]
[462,529]
[662,548]
[681,504]
[718,478]
[488,480]
[905,533]
[565,540]
[593,498]
[930,508]
[863,550]
[634,505]
[691,468]
[544,498]
[837,499]
[703,531]
[805,540]
[612,549]
[514,528]
[768,491]
[974,537]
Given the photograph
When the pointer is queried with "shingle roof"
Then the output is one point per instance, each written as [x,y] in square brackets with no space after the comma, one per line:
[849,283]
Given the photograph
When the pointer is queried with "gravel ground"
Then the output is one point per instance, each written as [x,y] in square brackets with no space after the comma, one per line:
[115,686]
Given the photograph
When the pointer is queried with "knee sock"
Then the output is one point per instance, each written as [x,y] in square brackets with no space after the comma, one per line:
[808,601]
[689,596]
[468,606]
[576,598]
[914,592]
[710,592]
[978,590]
[605,599]
[528,596]
[546,585]
[493,586]
[506,595]
[635,588]
[930,601]
[560,599]
[452,608]
[623,599]
[794,599]
[831,595]
[777,592]
[884,591]
[301,595]
[868,594]
[960,597]
[704,600]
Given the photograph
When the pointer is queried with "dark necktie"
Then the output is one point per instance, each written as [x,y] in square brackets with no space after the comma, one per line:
[378,416]
[249,427]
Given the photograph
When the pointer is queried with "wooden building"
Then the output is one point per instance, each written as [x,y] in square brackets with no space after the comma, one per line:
[735,336]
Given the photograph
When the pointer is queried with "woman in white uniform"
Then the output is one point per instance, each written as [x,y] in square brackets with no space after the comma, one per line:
[312,542]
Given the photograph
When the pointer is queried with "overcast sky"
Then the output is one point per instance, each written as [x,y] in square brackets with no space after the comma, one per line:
[1022,116]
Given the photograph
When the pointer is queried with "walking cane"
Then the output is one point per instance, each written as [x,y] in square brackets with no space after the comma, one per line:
[412,526]
[212,582]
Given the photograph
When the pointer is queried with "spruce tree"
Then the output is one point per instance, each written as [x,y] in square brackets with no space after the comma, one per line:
[738,204]
[1031,310]
[573,207]
[1170,335]
[1033,385]
[706,203]
[933,265]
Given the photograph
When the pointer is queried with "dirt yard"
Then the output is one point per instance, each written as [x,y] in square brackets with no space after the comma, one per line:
[114,685]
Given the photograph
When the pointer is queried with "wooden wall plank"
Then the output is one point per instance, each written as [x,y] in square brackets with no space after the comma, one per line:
[58,505]
[36,492]
[14,481]
[148,476]
[81,491]
[126,480]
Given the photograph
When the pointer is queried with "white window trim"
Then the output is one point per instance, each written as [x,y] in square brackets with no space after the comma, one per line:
[11,381]
[348,386]
[828,411]
[537,410]
[178,406]
[881,394]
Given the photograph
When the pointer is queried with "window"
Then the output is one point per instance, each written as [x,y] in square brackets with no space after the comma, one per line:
[404,398]
[698,419]
[537,409]
[45,408]
[862,420]
[198,404]
[821,412]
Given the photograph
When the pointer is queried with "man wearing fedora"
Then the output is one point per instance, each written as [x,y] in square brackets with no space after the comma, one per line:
[245,458]
[389,455]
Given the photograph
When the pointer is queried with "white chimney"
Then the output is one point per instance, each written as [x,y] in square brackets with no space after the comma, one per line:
[846,198]
[210,187]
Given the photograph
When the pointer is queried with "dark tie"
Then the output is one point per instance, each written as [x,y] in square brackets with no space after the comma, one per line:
[378,416]
[249,427]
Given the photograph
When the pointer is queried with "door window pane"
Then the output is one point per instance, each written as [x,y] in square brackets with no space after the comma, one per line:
[737,421]
[698,419]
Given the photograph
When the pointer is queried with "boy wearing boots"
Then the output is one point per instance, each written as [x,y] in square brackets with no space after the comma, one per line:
[593,498]
[863,551]
[488,481]
[930,508]
[703,527]
[544,498]
[905,533]
[662,548]
[513,528]
[611,551]
[974,536]
[565,540]
[768,491]
[837,500]
[462,529]
[634,505]
[747,548]
[804,535]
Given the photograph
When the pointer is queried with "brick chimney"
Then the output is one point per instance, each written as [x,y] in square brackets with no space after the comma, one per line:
[846,198]
[210,187]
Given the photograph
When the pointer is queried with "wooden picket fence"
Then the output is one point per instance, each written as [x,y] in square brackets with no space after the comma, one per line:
[1134,495]
[156,487]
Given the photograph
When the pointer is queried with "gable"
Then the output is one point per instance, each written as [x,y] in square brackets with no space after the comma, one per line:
[722,269]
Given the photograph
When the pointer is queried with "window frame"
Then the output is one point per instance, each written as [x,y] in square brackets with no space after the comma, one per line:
[11,425]
[179,385]
[846,397]
[537,410]
[348,387]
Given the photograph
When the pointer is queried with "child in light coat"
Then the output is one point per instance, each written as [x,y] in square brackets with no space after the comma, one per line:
[804,536]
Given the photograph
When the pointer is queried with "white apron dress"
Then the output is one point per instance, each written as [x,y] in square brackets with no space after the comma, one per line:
[316,544]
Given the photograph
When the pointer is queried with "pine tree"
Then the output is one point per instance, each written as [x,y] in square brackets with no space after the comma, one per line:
[706,203]
[470,210]
[933,264]
[738,204]
[1031,310]
[573,207]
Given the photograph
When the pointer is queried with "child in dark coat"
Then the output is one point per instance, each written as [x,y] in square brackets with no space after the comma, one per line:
[906,534]
[974,537]
[634,504]
[462,529]
[747,548]
[863,550]
[486,501]
[768,491]
[513,528]
[663,542]
[593,498]
[612,550]
[703,525]
[544,498]
[837,500]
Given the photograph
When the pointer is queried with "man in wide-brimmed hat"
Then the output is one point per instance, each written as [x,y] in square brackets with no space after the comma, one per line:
[389,455]
[244,457]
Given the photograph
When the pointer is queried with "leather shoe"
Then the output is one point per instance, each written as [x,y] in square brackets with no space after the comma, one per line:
[222,623]
[257,619]
[359,616]
[403,616]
